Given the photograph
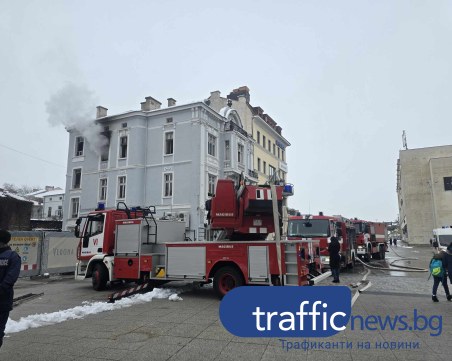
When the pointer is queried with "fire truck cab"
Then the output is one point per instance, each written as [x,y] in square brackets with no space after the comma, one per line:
[321,228]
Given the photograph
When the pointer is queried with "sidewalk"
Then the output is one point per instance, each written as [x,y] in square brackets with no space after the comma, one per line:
[191,329]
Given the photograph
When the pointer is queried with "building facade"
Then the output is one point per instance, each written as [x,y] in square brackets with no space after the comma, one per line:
[424,191]
[169,158]
[53,204]
[269,144]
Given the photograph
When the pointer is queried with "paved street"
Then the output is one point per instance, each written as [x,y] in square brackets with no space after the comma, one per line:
[190,329]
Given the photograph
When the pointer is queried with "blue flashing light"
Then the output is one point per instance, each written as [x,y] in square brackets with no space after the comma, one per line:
[100,206]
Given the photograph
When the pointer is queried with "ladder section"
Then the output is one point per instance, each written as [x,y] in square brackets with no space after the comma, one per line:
[291,264]
[151,225]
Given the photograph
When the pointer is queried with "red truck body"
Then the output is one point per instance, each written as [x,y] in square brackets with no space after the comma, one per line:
[132,245]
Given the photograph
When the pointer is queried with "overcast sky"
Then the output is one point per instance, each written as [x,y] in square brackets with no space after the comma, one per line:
[342,78]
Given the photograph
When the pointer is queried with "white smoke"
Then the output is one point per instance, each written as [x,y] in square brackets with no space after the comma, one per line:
[74,106]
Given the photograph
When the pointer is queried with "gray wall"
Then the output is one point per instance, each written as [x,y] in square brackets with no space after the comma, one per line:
[423,202]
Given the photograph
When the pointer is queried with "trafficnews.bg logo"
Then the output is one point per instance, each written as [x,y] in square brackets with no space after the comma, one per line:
[263,311]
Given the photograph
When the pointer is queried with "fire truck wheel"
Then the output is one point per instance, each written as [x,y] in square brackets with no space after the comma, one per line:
[100,277]
[226,279]
[382,252]
[366,257]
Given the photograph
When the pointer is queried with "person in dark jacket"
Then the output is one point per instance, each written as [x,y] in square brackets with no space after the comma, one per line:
[9,272]
[447,261]
[335,258]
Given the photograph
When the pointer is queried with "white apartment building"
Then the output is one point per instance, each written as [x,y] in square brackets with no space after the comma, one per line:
[167,157]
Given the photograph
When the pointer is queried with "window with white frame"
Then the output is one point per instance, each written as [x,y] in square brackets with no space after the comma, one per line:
[49,212]
[169,146]
[123,146]
[258,137]
[271,170]
[211,145]
[76,178]
[103,189]
[269,145]
[263,141]
[212,183]
[265,168]
[79,144]
[122,187]
[168,184]
[75,205]
[240,153]
[227,150]
[258,164]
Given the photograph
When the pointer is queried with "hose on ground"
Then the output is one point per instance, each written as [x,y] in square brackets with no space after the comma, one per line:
[409,269]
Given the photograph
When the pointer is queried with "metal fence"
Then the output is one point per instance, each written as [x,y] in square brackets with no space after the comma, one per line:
[44,252]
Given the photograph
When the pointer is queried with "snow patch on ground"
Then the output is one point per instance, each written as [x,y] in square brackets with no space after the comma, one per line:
[175,297]
[88,308]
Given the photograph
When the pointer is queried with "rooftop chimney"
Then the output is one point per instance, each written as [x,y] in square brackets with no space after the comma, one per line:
[243,90]
[150,104]
[171,102]
[215,94]
[101,112]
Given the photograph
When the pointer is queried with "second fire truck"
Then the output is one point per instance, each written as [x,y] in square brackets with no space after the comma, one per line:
[321,228]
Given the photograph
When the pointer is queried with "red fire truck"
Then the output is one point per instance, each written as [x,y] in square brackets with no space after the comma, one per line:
[370,239]
[132,245]
[321,228]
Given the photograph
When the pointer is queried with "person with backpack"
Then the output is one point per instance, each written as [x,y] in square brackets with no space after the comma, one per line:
[437,269]
[10,263]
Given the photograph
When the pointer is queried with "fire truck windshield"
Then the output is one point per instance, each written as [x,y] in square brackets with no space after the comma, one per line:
[308,228]
[360,227]
[445,239]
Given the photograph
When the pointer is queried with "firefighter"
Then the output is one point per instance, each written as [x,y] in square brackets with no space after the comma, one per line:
[335,258]
[9,272]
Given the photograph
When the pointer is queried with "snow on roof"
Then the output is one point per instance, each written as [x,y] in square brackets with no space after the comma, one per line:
[35,193]
[52,193]
[6,194]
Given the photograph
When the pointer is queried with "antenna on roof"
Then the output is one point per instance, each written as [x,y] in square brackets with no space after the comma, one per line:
[404,140]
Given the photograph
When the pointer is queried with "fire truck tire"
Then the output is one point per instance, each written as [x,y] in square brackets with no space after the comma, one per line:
[382,252]
[225,279]
[366,257]
[100,277]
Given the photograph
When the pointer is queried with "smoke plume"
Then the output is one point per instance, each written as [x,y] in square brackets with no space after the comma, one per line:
[74,106]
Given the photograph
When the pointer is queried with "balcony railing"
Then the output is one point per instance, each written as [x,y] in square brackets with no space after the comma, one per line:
[231,126]
[252,173]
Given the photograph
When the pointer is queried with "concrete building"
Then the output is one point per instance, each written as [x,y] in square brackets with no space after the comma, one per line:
[168,157]
[269,144]
[424,190]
